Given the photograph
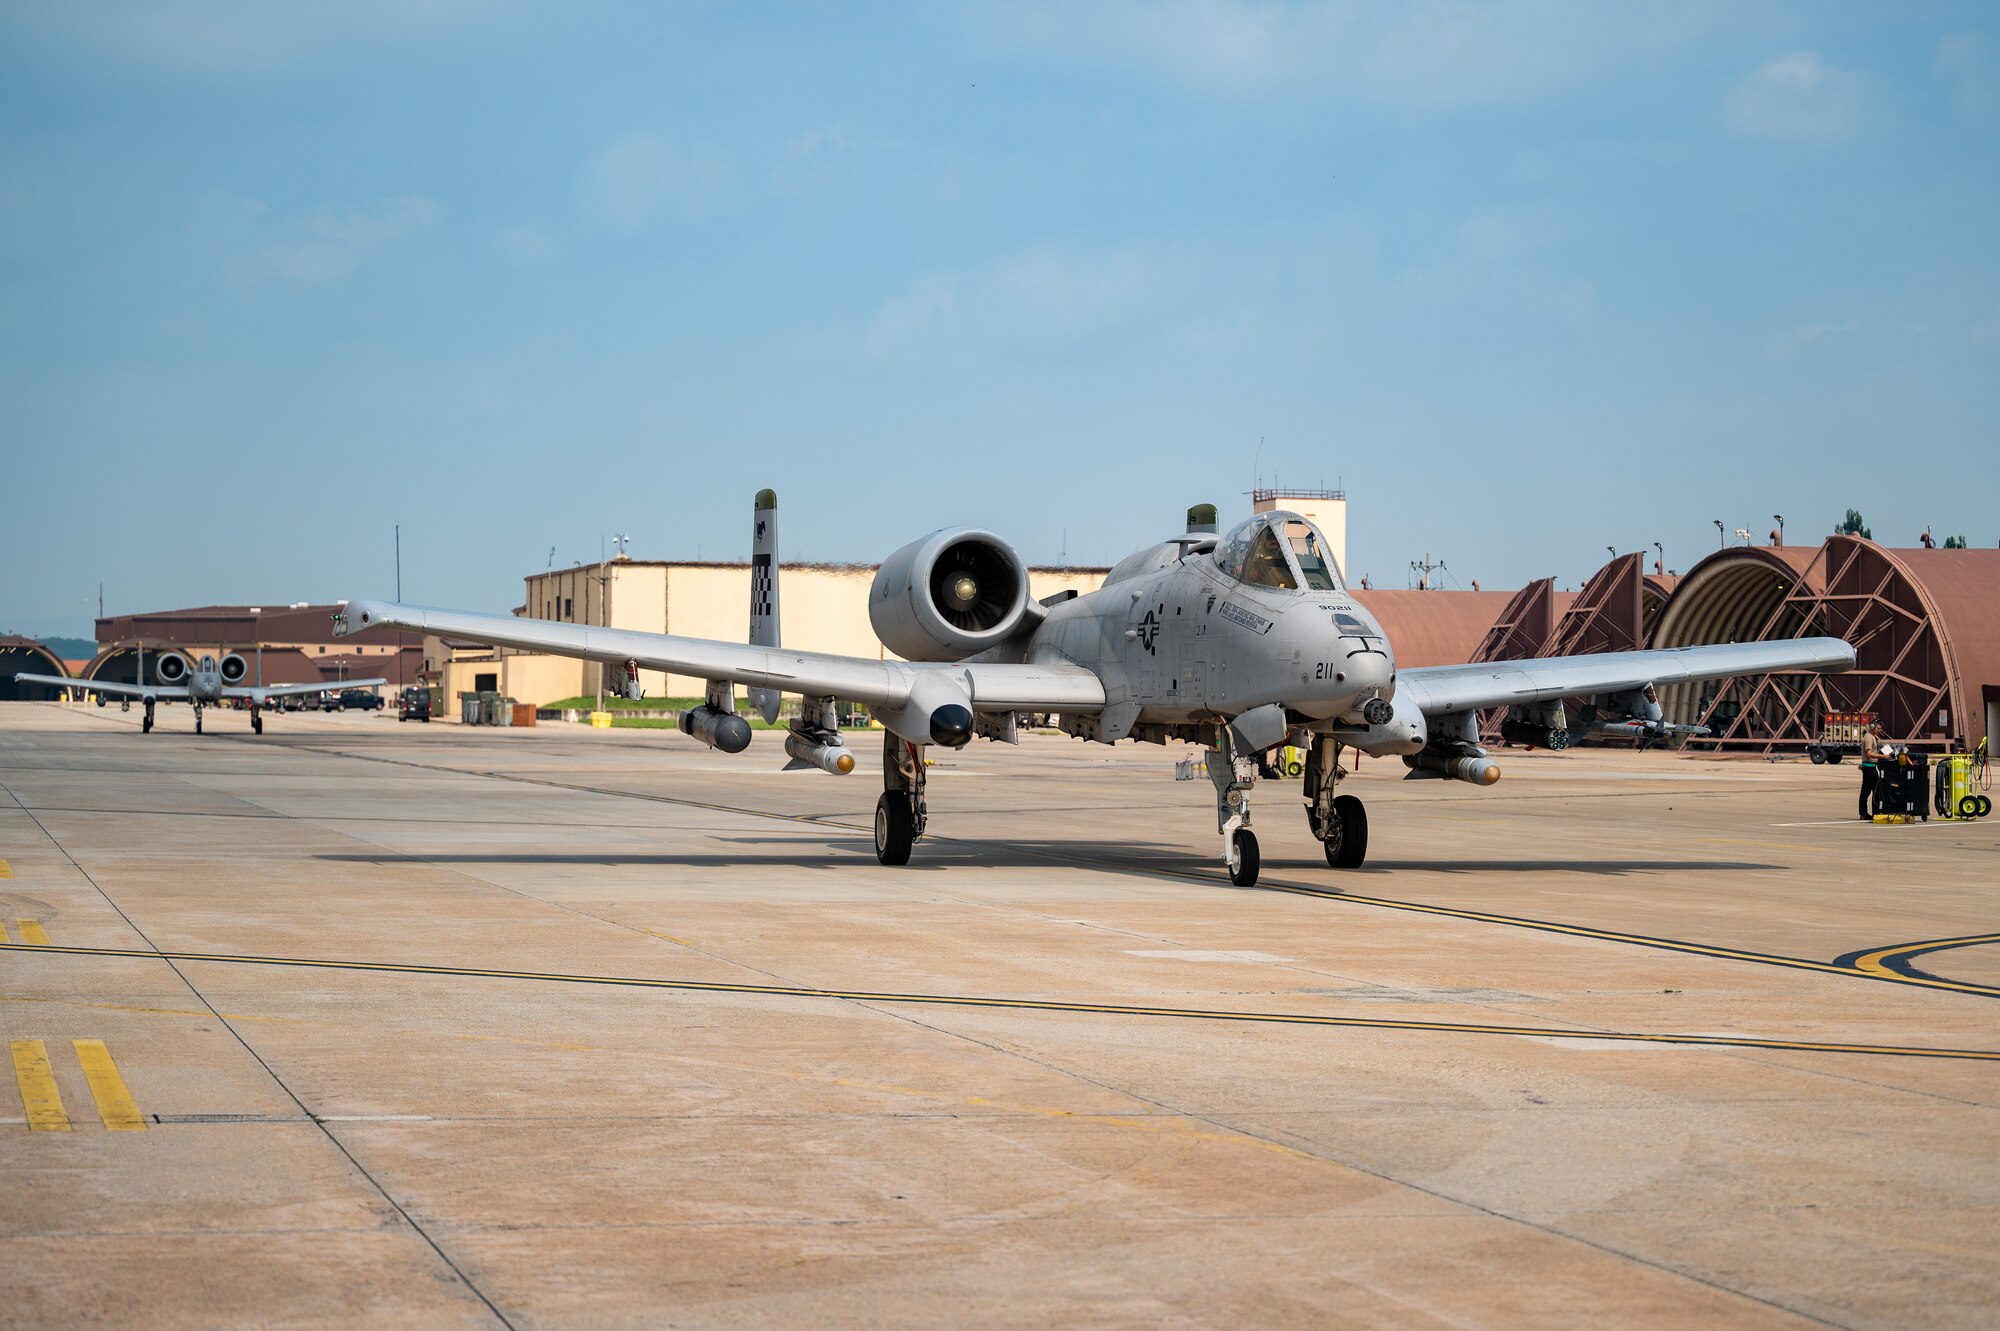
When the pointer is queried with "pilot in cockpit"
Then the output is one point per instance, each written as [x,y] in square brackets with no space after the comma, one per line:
[1256,552]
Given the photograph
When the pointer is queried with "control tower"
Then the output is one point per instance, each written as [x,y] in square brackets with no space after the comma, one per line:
[1326,508]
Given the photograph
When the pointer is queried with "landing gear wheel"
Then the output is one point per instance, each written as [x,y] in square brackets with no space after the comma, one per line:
[197,723]
[1346,840]
[146,726]
[1817,754]
[1244,872]
[895,828]
[257,724]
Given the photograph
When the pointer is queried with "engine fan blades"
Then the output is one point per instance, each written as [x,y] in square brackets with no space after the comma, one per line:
[971,587]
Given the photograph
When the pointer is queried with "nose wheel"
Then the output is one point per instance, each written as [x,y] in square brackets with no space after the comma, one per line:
[1232,775]
[1244,861]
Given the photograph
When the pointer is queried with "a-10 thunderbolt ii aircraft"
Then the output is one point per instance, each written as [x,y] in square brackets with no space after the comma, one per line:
[1238,643]
[205,682]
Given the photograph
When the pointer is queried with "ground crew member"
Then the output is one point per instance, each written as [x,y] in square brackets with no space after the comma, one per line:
[1871,755]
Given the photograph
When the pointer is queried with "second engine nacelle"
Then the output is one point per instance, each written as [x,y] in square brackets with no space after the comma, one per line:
[234,669]
[172,668]
[953,594]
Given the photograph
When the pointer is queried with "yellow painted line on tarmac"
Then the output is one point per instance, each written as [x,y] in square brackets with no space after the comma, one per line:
[669,937]
[39,1096]
[1640,940]
[6,870]
[1211,878]
[32,932]
[1879,961]
[114,1102]
[1037,1004]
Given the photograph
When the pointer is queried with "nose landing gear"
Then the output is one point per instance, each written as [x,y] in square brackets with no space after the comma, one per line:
[146,723]
[1232,809]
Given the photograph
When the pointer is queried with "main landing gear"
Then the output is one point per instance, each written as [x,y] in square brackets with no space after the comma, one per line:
[900,814]
[1338,822]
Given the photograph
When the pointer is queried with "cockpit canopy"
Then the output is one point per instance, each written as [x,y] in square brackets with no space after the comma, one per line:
[1281,550]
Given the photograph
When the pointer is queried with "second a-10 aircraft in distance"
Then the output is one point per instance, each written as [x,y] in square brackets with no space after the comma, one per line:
[1239,643]
[205,682]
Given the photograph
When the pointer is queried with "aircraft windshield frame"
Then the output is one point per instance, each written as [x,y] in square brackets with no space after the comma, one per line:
[1281,551]
[1317,567]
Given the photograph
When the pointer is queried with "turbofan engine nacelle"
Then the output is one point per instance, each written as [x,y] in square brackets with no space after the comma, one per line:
[953,594]
[234,669]
[172,668]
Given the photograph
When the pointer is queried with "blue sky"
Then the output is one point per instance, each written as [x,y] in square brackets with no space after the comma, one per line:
[1529,280]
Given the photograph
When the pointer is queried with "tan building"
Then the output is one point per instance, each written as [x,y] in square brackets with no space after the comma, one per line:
[822,608]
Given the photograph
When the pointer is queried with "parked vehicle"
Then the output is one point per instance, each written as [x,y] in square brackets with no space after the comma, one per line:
[366,700]
[414,704]
[1840,737]
[329,701]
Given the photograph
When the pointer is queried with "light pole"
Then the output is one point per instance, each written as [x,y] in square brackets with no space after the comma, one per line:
[1721,536]
[1660,564]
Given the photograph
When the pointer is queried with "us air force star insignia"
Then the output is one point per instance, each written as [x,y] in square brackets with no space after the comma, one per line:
[1149,631]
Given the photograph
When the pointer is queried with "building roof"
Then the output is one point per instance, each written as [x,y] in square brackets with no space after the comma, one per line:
[233,625]
[1964,586]
[1434,628]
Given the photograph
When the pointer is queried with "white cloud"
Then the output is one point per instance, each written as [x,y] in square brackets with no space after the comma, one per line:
[333,242]
[205,37]
[1963,63]
[1409,52]
[1039,296]
[815,160]
[523,243]
[1796,97]
[632,182]
[639,178]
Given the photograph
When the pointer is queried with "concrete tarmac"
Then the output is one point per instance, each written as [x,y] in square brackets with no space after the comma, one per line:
[432,1026]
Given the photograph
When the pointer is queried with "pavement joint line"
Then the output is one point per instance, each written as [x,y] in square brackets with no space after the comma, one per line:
[1028,1004]
[423,1235]
[1916,980]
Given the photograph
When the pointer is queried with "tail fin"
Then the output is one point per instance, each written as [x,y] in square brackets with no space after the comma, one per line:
[764,593]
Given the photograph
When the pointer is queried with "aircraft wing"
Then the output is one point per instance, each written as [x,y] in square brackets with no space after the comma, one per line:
[993,687]
[160,692]
[1439,690]
[262,691]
